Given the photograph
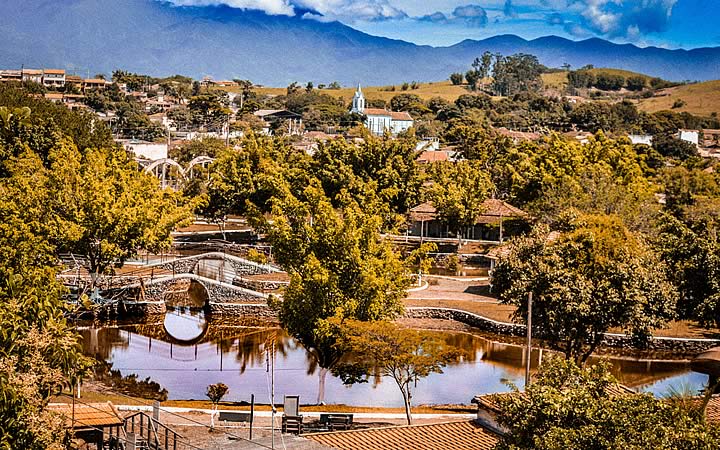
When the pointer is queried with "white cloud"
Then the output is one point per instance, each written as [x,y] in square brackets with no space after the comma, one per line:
[323,10]
[626,18]
[272,7]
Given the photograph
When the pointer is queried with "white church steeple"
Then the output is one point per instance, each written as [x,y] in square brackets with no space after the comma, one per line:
[358,103]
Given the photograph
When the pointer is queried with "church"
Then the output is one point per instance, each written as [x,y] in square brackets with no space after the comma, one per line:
[381,120]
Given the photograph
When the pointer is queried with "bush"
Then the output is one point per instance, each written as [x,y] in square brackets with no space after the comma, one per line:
[457,79]
[679,103]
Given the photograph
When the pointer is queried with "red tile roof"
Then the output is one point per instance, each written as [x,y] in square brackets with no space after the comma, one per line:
[88,415]
[376,112]
[493,211]
[451,435]
[401,116]
[431,156]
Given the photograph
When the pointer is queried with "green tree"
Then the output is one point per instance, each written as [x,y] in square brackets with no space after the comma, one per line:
[692,254]
[516,73]
[109,209]
[569,407]
[458,192]
[215,392]
[636,83]
[590,276]
[384,349]
[457,79]
[241,181]
[339,267]
[39,354]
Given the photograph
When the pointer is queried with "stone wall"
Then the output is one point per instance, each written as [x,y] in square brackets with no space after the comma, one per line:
[261,311]
[680,345]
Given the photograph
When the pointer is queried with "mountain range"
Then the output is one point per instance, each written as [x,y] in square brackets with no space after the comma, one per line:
[157,38]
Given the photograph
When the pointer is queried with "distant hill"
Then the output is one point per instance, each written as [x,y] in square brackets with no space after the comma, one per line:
[153,37]
[700,98]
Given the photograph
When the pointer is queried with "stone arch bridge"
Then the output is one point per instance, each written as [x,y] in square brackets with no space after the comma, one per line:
[223,280]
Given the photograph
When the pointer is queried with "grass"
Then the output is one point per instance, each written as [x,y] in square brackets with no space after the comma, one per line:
[700,99]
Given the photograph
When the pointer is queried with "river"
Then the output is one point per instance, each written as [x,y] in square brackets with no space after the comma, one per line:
[185,353]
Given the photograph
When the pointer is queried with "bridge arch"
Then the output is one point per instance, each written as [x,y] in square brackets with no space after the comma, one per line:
[168,171]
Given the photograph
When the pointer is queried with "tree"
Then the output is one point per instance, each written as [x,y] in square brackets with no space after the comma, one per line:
[672,147]
[420,258]
[571,407]
[39,353]
[516,73]
[244,180]
[458,192]
[589,276]
[581,79]
[339,267]
[457,79]
[692,253]
[109,209]
[472,77]
[215,392]
[383,349]
[609,82]
[636,83]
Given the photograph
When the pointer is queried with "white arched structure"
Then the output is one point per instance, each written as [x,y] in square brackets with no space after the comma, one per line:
[202,161]
[163,170]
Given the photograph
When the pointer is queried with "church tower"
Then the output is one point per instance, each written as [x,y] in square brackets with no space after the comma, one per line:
[358,103]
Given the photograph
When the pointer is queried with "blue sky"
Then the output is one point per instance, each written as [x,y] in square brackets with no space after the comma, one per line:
[663,23]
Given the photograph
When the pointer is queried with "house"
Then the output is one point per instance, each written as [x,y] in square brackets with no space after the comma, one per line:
[517,136]
[496,221]
[430,156]
[691,136]
[379,121]
[10,75]
[94,84]
[53,78]
[55,97]
[465,434]
[32,75]
[644,139]
[74,80]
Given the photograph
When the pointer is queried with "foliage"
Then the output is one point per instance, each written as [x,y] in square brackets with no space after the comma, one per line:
[458,192]
[516,73]
[379,173]
[383,349]
[215,392]
[592,276]
[672,147]
[569,407]
[110,209]
[338,266]
[457,79]
[39,354]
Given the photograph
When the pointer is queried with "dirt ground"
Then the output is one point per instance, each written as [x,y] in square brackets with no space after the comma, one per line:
[475,297]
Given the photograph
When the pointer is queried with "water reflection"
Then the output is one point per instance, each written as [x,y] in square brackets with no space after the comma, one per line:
[236,356]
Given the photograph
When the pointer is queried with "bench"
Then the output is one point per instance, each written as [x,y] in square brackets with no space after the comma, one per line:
[292,424]
[229,416]
[336,421]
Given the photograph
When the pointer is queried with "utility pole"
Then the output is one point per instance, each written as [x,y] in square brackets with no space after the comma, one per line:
[529,341]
